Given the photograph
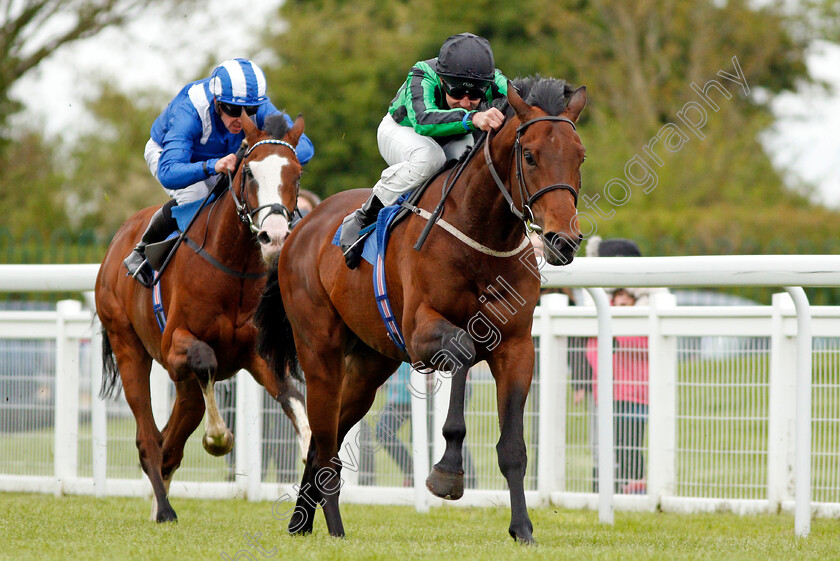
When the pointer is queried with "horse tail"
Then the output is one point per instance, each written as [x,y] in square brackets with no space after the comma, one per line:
[275,340]
[111,385]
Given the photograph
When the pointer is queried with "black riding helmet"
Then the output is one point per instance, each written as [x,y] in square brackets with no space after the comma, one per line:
[466,59]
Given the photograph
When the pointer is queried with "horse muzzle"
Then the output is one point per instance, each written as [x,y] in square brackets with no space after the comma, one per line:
[560,249]
[272,235]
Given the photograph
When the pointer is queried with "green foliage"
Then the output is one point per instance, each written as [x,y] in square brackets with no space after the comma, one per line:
[111,178]
[345,61]
[340,63]
[30,195]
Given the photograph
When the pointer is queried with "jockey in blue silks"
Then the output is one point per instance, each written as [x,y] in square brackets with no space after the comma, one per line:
[194,142]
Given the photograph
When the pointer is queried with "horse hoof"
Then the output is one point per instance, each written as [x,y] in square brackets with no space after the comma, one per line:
[529,540]
[218,446]
[449,486]
[524,538]
[166,516]
[300,524]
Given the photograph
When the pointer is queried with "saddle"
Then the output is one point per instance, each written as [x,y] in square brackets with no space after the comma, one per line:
[157,254]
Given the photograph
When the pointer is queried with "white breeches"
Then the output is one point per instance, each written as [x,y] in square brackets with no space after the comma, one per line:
[412,158]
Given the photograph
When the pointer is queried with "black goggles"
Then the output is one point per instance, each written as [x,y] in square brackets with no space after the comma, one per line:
[236,110]
[471,90]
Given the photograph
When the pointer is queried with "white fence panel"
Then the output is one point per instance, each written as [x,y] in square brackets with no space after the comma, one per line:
[738,417]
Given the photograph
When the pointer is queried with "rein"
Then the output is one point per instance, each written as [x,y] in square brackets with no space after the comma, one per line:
[245,213]
[526,215]
[447,188]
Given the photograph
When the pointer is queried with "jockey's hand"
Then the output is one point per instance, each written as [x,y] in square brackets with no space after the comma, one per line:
[488,120]
[228,163]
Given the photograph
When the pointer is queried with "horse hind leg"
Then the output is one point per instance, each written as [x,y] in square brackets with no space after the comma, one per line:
[324,375]
[308,499]
[291,400]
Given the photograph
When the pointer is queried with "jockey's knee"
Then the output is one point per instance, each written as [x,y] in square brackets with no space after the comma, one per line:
[425,163]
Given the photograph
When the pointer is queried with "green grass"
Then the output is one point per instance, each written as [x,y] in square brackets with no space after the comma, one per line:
[49,528]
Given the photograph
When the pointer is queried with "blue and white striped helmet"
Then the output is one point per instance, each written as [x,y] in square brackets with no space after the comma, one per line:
[238,81]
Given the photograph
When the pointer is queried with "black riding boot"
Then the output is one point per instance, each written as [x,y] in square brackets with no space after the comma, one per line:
[351,227]
[159,227]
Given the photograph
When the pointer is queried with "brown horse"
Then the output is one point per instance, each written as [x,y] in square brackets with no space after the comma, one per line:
[467,296]
[209,297]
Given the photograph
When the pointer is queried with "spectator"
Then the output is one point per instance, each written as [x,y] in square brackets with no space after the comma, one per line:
[630,379]
[630,401]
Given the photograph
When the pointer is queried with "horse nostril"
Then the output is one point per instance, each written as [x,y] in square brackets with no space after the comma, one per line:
[552,238]
[557,240]
[263,237]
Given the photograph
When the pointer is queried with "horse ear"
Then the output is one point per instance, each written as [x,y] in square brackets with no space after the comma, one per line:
[251,130]
[294,134]
[576,104]
[517,102]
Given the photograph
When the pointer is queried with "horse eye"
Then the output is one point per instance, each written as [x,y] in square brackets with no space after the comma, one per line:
[529,158]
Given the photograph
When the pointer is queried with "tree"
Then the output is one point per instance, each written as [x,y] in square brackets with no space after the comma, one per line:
[109,180]
[32,30]
[31,194]
[341,62]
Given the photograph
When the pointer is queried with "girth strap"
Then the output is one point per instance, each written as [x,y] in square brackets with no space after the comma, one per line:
[221,266]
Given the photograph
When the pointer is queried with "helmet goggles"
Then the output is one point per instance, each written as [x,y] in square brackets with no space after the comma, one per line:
[235,111]
[458,88]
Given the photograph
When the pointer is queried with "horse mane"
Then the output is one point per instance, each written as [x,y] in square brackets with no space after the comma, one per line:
[276,125]
[549,94]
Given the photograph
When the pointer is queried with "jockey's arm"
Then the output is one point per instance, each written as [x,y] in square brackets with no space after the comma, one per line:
[175,168]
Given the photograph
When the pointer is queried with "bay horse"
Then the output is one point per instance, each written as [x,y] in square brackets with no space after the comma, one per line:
[444,297]
[209,293]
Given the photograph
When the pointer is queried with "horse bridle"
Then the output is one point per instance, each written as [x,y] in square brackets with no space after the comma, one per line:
[243,210]
[526,215]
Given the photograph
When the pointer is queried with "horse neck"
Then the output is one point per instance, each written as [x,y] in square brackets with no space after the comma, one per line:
[228,239]
[483,212]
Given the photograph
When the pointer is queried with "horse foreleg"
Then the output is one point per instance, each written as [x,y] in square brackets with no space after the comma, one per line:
[456,355]
[324,376]
[189,353]
[186,416]
[512,368]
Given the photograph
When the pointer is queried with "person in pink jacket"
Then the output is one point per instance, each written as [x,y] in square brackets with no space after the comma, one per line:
[630,401]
